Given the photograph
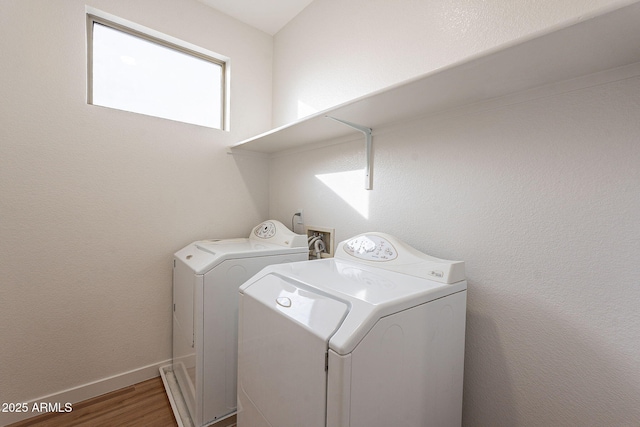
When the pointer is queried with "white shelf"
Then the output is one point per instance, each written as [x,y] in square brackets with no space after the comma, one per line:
[593,45]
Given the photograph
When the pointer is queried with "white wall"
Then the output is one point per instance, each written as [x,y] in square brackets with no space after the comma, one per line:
[94,201]
[337,50]
[541,202]
[538,197]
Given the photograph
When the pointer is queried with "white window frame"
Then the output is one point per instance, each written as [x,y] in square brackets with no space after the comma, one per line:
[95,16]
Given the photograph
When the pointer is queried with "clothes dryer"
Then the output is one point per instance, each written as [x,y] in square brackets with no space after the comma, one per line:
[201,381]
[373,337]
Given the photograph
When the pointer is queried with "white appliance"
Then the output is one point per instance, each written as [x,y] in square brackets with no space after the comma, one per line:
[201,382]
[371,338]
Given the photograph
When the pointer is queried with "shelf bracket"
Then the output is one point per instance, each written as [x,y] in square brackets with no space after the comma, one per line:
[368,182]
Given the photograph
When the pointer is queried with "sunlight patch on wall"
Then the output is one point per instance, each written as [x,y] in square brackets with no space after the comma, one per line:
[348,185]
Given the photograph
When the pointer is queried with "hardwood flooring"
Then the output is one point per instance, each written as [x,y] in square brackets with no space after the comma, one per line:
[141,405]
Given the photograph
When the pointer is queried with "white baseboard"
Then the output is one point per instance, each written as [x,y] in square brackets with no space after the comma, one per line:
[87,391]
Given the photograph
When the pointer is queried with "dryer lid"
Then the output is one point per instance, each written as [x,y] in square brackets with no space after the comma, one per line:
[204,255]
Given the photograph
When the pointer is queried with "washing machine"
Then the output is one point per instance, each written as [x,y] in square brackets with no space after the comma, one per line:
[201,381]
[371,338]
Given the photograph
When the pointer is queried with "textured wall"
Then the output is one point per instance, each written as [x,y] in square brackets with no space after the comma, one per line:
[94,201]
[337,50]
[540,199]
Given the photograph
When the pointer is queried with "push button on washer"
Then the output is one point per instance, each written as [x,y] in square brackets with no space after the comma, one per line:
[284,301]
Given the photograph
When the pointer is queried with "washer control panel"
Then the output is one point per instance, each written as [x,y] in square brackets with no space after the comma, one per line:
[390,253]
[371,248]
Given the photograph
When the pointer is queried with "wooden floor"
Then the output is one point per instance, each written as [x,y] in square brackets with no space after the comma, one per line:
[140,405]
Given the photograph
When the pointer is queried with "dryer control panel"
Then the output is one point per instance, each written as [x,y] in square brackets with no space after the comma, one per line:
[265,230]
[275,232]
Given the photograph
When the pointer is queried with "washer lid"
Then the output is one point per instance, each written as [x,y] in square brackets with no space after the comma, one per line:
[317,312]
[367,292]
[282,346]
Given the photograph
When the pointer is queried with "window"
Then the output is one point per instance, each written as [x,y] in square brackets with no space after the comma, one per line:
[132,71]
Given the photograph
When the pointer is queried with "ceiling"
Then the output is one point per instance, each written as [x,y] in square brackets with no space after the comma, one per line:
[269,16]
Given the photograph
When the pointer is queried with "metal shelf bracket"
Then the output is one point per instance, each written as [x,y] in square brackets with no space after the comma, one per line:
[368,181]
